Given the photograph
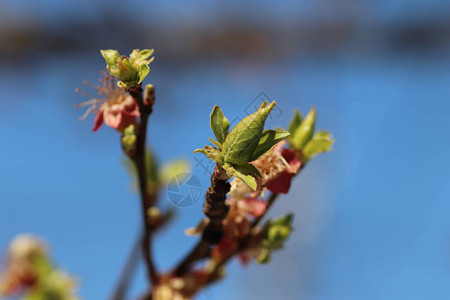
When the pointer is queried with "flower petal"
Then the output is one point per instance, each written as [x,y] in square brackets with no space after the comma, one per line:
[292,159]
[281,183]
[98,121]
[256,207]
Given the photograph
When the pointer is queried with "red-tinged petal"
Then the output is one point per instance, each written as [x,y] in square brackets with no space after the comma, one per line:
[113,119]
[292,159]
[131,107]
[98,121]
[256,207]
[119,120]
[280,184]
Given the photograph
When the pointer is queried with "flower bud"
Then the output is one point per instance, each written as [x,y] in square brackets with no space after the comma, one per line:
[128,140]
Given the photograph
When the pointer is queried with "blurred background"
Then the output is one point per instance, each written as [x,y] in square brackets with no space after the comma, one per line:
[372,217]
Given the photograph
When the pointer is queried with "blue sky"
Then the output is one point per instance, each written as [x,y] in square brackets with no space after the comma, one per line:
[371,217]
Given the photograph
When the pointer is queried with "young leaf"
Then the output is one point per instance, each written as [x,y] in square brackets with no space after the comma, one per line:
[243,139]
[215,143]
[143,72]
[126,71]
[264,256]
[268,140]
[248,169]
[284,220]
[130,71]
[305,131]
[139,57]
[320,143]
[295,122]
[278,231]
[212,153]
[219,124]
[242,174]
[111,57]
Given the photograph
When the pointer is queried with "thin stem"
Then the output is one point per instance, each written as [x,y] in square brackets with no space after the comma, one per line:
[270,202]
[140,161]
[200,251]
[128,271]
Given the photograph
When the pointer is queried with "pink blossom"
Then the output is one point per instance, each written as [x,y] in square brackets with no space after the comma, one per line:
[117,115]
[113,106]
[254,206]
[277,168]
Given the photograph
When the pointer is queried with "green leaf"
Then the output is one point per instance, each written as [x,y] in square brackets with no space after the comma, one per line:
[143,72]
[278,231]
[243,173]
[127,71]
[216,143]
[111,57]
[305,131]
[143,54]
[295,122]
[248,169]
[42,266]
[267,141]
[219,124]
[243,139]
[320,143]
[284,220]
[36,294]
[139,57]
[212,153]
[264,256]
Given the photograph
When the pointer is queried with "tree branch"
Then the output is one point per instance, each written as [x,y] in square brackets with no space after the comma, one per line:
[216,210]
[145,109]
[127,273]
[270,202]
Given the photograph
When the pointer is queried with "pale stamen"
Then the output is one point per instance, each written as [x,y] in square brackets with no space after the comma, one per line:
[111,96]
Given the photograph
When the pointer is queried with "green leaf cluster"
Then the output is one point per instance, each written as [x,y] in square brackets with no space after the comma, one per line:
[246,142]
[304,140]
[51,282]
[130,70]
[276,232]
